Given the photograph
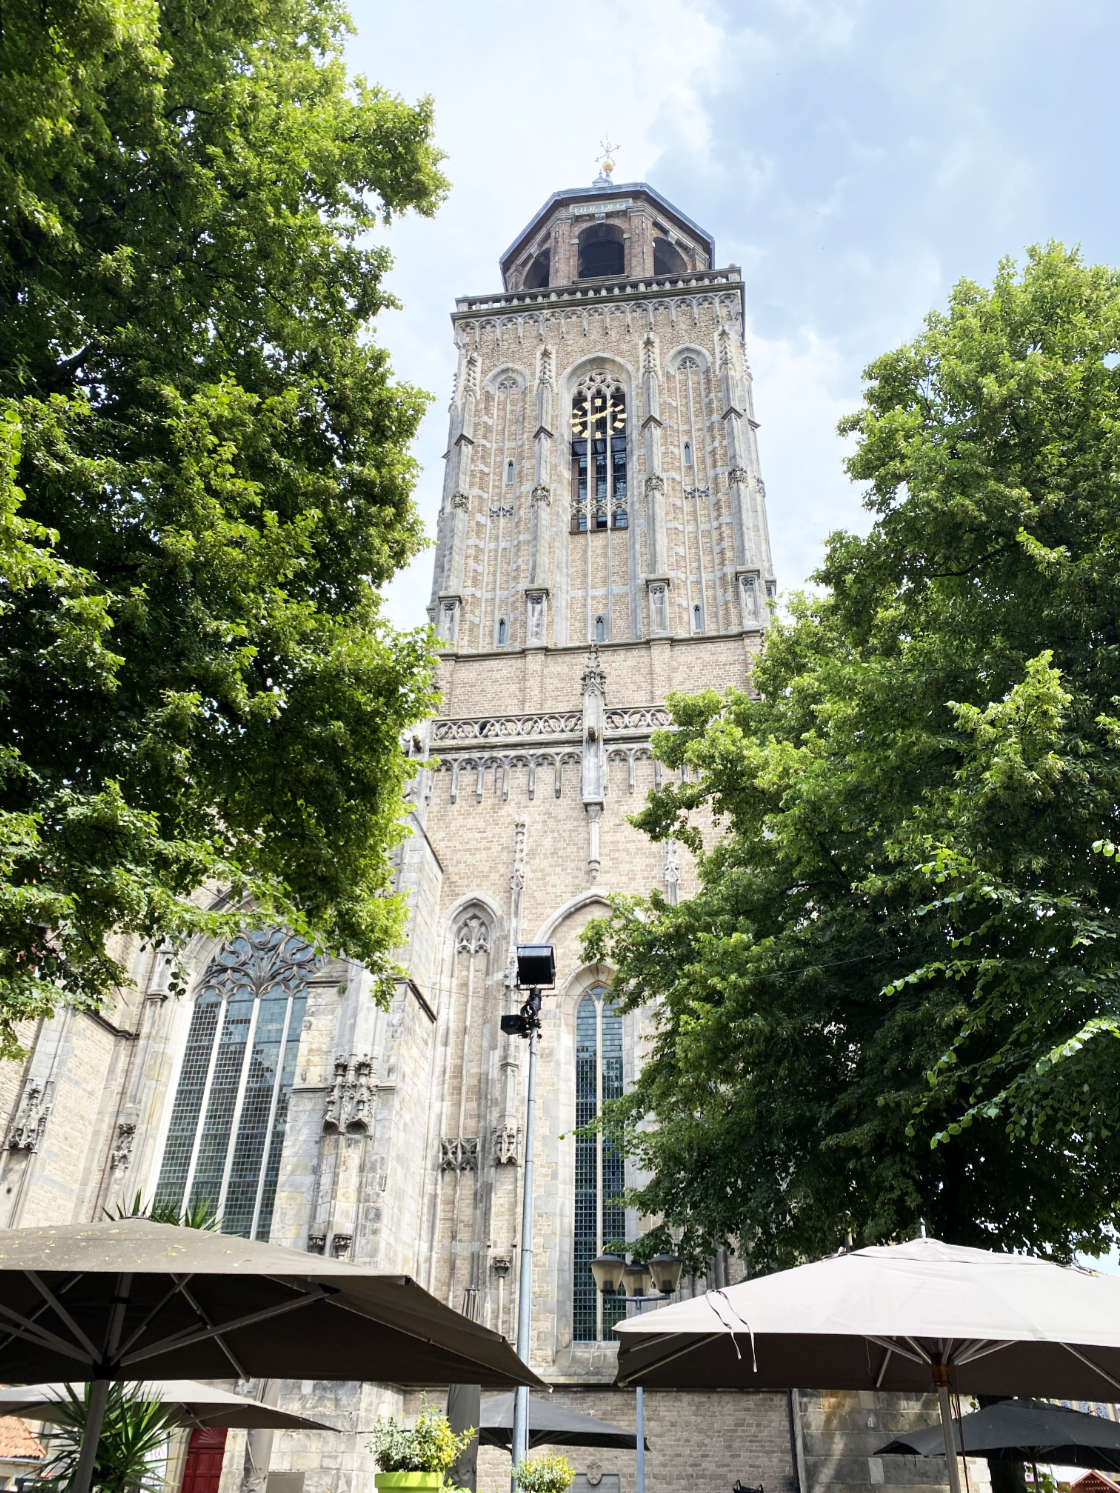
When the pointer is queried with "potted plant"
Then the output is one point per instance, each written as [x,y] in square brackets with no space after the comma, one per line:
[548,1474]
[416,1457]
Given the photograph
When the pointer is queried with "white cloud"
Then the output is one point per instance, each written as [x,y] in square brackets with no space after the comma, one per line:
[828,24]
[804,383]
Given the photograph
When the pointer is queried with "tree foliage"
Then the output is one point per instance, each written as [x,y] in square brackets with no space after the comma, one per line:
[894,998]
[204,480]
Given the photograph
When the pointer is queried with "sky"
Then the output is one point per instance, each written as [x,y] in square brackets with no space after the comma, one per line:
[855,157]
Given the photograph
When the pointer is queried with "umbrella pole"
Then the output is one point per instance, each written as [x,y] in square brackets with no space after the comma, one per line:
[639,1411]
[99,1390]
[91,1435]
[525,1274]
[947,1426]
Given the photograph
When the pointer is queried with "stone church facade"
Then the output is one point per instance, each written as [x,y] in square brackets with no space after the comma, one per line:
[602,542]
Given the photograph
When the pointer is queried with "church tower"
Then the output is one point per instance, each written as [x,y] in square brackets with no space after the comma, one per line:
[602,542]
[602,480]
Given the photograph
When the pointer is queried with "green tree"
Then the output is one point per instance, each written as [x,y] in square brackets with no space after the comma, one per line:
[204,482]
[894,998]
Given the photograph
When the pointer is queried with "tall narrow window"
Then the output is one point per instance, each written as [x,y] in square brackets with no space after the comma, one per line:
[599,1218]
[697,619]
[509,473]
[598,456]
[687,454]
[227,1123]
[501,630]
[600,629]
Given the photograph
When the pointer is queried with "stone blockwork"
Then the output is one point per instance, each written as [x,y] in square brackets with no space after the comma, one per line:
[839,1435]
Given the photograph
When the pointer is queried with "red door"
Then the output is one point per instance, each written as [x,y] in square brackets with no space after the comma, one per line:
[202,1470]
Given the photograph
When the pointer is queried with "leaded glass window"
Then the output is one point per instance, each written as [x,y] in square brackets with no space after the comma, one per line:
[598,455]
[231,1106]
[599,1216]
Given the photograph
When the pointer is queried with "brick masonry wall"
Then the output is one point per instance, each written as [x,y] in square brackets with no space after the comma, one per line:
[699,1442]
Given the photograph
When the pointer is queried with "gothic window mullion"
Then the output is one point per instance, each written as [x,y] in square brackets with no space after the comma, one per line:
[204,1104]
[584,1293]
[598,1155]
[598,454]
[613,1216]
[238,1103]
[230,1109]
[270,1136]
[599,1176]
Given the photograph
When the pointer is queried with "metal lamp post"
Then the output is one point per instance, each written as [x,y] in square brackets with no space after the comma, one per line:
[536,967]
[655,1280]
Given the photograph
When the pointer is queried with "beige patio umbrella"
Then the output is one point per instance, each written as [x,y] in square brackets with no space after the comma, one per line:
[185,1402]
[129,1299]
[917,1316]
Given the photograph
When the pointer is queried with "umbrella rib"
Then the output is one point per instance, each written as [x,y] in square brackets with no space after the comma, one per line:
[180,1283]
[60,1311]
[1089,1364]
[972,1351]
[923,1356]
[625,1379]
[44,1338]
[198,1335]
[892,1346]
[224,1346]
[883,1367]
[973,1348]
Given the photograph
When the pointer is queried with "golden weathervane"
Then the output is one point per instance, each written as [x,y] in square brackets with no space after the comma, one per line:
[605,159]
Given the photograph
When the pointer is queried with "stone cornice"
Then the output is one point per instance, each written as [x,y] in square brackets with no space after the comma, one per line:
[581,296]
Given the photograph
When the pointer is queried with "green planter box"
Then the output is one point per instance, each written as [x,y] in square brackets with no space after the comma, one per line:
[418,1482]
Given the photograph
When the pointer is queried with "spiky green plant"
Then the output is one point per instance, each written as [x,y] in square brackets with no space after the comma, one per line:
[134,1429]
[202,1214]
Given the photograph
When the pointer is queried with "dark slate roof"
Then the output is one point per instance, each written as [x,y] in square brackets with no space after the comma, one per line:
[612,189]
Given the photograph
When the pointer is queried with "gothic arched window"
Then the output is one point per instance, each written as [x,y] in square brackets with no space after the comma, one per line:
[598,455]
[599,1217]
[227,1123]
[501,631]
[667,258]
[536,276]
[600,629]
